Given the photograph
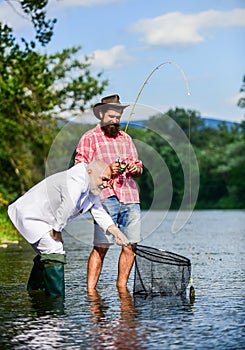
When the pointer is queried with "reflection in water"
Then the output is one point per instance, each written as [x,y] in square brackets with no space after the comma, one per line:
[96,305]
[42,328]
[119,333]
[46,305]
[42,335]
[113,319]
[154,307]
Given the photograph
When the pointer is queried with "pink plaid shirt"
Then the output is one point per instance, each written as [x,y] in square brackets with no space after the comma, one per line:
[95,145]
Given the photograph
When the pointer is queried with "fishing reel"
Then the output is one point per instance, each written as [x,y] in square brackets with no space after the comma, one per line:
[121,166]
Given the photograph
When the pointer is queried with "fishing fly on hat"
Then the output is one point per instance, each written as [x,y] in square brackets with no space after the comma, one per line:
[108,102]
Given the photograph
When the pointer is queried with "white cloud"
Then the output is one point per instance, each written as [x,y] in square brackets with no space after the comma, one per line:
[178,29]
[112,58]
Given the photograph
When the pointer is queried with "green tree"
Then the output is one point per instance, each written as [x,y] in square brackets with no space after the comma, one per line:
[34,10]
[221,161]
[162,135]
[35,89]
[219,151]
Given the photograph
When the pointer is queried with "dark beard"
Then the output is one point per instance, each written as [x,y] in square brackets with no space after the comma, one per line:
[111,130]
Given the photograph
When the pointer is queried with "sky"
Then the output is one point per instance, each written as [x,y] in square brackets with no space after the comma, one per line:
[203,41]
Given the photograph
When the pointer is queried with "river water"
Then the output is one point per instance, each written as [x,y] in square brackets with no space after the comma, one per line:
[115,319]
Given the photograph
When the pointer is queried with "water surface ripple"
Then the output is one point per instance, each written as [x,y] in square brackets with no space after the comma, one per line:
[114,319]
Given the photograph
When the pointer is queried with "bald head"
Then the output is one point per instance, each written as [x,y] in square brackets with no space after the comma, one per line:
[98,166]
[100,174]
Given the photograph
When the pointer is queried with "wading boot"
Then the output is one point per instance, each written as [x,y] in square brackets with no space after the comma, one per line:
[36,279]
[53,274]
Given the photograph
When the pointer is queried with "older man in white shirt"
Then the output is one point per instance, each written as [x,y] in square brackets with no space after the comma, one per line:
[41,214]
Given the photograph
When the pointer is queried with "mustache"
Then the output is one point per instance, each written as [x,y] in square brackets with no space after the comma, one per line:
[111,124]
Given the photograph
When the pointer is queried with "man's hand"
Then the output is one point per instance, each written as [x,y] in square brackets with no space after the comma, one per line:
[56,236]
[121,239]
[134,169]
[114,168]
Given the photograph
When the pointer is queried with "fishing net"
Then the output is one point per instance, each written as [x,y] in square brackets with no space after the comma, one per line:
[159,272]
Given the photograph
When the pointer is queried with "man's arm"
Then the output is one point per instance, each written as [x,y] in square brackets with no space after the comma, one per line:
[56,236]
[135,166]
[104,220]
[121,239]
[134,169]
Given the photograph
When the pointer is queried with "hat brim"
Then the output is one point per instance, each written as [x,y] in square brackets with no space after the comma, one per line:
[99,105]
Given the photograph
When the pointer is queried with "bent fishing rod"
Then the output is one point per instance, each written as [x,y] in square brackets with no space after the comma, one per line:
[140,92]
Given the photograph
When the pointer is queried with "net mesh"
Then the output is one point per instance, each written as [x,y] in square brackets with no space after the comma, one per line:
[160,272]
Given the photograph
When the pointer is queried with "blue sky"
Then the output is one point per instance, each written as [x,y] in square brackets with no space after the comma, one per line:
[129,38]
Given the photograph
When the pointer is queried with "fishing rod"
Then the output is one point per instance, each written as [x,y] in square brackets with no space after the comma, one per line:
[140,92]
[192,290]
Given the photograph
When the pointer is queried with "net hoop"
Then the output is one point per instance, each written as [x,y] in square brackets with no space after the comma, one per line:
[160,272]
[163,256]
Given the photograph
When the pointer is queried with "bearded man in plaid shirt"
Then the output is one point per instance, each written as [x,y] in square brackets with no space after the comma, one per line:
[121,199]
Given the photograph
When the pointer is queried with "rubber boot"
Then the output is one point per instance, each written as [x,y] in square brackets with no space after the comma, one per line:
[36,279]
[54,279]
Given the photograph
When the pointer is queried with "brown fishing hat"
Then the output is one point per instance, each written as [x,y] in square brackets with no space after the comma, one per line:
[112,102]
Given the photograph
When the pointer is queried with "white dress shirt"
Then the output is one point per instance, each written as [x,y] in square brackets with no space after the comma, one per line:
[54,201]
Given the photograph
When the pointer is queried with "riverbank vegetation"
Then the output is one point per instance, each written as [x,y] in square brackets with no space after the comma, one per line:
[220,153]
[8,233]
[40,91]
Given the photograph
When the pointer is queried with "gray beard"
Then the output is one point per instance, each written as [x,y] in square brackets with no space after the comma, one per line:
[95,191]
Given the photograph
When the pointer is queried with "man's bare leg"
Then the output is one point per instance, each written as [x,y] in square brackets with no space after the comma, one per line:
[125,264]
[95,263]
